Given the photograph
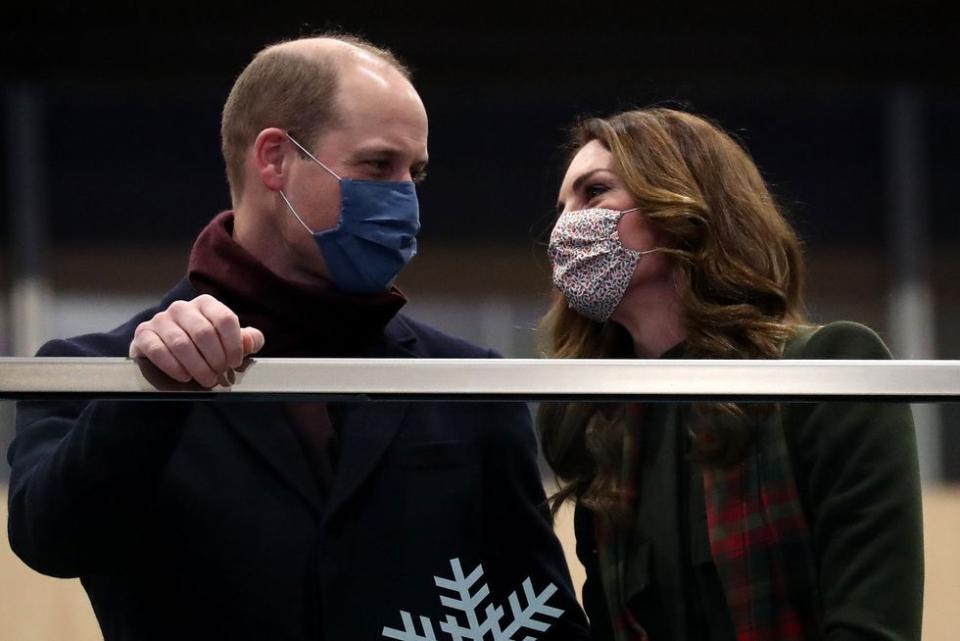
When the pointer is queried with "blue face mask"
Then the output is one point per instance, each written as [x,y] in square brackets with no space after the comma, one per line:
[376,235]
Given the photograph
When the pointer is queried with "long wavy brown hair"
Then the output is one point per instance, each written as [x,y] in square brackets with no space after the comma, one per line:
[738,271]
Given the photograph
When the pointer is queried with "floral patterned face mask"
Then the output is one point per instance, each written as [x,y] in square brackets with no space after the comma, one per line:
[591,267]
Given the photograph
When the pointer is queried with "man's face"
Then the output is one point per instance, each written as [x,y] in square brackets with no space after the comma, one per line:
[381,134]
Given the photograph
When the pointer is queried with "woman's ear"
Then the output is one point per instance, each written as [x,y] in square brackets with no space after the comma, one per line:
[270,157]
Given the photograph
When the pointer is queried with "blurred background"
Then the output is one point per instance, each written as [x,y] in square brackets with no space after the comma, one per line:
[110,165]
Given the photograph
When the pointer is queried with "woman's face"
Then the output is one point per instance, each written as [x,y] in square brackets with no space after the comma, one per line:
[592,182]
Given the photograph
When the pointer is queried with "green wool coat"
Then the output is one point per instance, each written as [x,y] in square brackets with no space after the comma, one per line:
[855,466]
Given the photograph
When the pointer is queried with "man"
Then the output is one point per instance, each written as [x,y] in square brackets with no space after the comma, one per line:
[291,520]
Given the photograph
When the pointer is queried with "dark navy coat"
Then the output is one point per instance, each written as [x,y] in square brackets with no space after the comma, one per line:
[202,520]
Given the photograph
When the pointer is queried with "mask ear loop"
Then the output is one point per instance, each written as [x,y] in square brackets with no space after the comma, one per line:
[294,212]
[636,251]
[316,160]
[312,157]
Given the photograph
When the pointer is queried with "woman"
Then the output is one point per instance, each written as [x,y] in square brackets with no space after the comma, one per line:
[717,521]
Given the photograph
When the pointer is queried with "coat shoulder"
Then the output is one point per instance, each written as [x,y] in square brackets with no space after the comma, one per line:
[843,340]
[433,343]
[115,342]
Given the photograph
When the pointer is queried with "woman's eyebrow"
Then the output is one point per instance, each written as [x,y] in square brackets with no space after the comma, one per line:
[584,177]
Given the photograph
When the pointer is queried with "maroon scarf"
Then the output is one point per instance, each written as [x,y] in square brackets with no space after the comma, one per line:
[296,320]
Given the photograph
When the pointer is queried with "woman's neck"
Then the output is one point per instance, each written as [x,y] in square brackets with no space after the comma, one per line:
[651,313]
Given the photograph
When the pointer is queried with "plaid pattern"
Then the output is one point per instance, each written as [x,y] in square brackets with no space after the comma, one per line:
[761,544]
[759,540]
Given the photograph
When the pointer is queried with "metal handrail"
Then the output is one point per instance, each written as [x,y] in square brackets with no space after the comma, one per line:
[518,379]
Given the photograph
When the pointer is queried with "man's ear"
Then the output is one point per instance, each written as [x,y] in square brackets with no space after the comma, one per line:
[271,157]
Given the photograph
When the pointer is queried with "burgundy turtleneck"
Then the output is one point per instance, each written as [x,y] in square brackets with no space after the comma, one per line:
[296,320]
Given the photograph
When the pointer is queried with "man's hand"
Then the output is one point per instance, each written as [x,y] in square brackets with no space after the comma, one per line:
[198,340]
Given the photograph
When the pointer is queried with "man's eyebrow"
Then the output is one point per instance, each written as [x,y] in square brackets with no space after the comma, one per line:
[376,150]
[577,183]
[388,152]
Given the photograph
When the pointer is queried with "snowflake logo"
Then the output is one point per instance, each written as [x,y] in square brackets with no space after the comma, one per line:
[467,602]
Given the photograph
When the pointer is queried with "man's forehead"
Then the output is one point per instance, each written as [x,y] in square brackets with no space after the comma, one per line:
[360,136]
[376,80]
[389,114]
[378,120]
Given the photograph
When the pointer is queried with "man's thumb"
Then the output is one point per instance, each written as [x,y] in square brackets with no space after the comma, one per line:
[252,340]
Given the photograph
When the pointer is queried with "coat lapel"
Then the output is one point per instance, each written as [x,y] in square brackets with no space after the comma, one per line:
[263,426]
[366,431]
[367,428]
[657,504]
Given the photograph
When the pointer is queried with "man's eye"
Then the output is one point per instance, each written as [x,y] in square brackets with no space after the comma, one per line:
[380,166]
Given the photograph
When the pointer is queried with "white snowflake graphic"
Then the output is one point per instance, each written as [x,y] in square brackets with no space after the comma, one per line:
[478,627]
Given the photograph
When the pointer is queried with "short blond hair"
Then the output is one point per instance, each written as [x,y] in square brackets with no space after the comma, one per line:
[283,88]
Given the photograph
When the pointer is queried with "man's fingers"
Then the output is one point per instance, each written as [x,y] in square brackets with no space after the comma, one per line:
[253,340]
[199,340]
[227,326]
[147,344]
[182,348]
[201,331]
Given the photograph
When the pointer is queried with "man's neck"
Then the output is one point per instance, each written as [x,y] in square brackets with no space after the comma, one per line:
[259,234]
[652,316]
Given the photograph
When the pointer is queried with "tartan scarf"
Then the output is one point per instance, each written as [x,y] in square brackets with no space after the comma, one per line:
[759,539]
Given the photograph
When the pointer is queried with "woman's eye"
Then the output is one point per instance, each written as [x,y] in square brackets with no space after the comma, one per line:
[592,191]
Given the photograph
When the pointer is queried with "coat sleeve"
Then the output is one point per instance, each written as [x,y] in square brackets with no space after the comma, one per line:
[82,474]
[856,467]
[518,521]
